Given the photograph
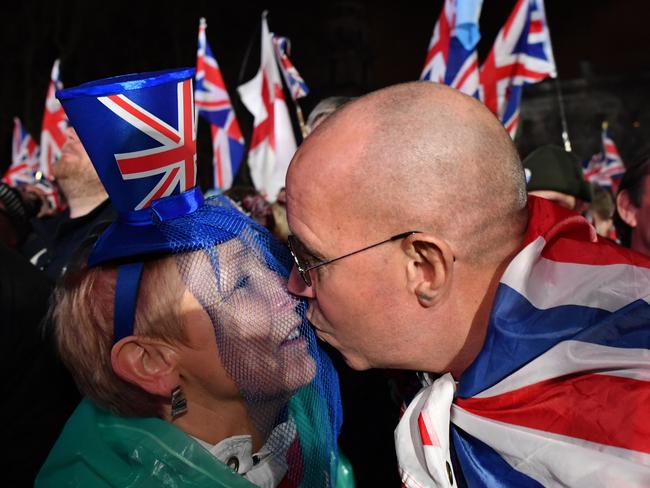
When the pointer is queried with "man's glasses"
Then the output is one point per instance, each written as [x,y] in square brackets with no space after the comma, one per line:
[304,264]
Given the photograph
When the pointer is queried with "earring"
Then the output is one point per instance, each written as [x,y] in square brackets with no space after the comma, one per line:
[179,402]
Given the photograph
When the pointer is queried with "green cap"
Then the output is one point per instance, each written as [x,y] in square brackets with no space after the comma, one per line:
[552,168]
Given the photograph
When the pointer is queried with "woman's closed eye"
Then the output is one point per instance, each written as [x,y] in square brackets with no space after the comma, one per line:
[242,282]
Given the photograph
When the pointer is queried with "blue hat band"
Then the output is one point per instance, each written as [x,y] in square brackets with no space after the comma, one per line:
[126,296]
[166,208]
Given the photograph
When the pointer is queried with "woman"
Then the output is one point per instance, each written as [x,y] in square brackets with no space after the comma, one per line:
[198,366]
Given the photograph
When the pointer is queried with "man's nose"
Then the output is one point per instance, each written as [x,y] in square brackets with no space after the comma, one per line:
[297,285]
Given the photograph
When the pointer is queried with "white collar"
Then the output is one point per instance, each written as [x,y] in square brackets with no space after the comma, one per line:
[265,468]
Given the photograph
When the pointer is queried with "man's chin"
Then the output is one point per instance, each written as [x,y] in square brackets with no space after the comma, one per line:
[352,361]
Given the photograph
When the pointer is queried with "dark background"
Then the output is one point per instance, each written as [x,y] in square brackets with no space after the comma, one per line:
[340,48]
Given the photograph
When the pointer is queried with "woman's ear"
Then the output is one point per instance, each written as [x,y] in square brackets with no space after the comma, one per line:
[429,268]
[148,363]
[626,208]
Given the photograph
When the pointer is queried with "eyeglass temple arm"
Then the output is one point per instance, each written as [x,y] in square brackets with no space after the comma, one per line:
[393,238]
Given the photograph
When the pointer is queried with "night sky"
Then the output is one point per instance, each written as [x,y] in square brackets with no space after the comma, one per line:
[339,47]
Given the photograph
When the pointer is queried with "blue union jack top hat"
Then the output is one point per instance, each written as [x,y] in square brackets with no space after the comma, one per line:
[139,131]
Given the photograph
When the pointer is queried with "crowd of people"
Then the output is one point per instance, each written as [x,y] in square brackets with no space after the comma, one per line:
[486,313]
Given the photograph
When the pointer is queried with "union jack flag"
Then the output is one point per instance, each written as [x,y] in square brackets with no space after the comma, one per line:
[53,135]
[606,167]
[559,394]
[297,86]
[54,125]
[591,168]
[521,55]
[24,157]
[452,58]
[174,159]
[213,104]
[435,64]
[51,191]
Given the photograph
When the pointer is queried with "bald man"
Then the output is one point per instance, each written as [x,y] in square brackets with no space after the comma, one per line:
[418,249]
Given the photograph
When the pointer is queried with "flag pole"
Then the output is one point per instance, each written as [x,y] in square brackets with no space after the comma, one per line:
[244,64]
[565,130]
[558,89]
[301,119]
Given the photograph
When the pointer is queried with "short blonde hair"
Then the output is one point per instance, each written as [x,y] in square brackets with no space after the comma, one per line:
[83,309]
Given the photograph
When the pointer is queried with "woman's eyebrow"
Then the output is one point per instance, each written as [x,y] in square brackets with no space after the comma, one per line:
[240,253]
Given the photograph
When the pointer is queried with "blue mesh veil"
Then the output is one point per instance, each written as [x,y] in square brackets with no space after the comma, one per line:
[264,340]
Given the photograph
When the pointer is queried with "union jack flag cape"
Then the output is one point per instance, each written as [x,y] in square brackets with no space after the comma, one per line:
[559,394]
[213,104]
[297,86]
[24,157]
[606,167]
[452,58]
[521,55]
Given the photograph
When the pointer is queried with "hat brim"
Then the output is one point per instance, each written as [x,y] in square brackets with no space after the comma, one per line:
[121,240]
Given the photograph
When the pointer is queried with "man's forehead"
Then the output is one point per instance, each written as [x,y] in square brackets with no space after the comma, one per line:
[307,185]
[320,170]
[331,148]
[304,222]
[320,186]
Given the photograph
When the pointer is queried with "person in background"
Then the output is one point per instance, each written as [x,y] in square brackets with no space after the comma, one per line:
[53,240]
[555,174]
[601,212]
[324,109]
[632,216]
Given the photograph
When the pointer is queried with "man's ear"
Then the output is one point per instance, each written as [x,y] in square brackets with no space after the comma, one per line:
[626,209]
[146,362]
[429,268]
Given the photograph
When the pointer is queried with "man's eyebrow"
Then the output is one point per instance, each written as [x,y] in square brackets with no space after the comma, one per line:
[312,253]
